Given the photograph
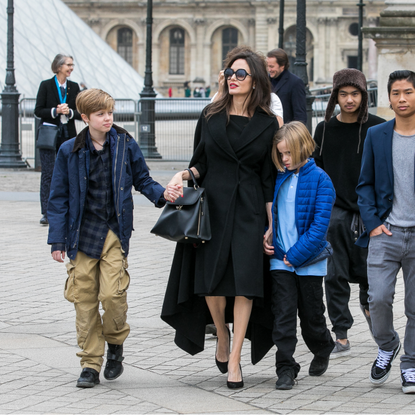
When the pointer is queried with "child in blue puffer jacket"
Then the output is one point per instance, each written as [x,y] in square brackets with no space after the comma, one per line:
[303,199]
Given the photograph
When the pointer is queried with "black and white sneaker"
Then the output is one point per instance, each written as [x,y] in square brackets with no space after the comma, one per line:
[382,365]
[408,380]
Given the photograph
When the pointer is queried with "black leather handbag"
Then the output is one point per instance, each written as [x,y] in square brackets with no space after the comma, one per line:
[47,137]
[187,219]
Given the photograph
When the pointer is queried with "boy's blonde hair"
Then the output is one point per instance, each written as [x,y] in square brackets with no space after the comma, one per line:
[299,142]
[93,100]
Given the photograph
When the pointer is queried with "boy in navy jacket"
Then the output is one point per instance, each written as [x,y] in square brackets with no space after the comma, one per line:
[90,214]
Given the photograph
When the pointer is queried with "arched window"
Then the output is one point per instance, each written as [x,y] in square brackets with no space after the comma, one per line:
[125,44]
[290,46]
[229,40]
[176,66]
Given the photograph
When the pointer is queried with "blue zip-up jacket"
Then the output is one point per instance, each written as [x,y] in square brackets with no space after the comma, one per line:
[314,201]
[69,187]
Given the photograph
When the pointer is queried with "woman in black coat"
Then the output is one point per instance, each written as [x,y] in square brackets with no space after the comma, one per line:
[232,160]
[55,104]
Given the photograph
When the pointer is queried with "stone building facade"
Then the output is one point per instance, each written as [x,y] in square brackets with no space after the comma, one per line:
[191,37]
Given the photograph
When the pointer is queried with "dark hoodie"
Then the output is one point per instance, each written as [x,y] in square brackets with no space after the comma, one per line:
[340,145]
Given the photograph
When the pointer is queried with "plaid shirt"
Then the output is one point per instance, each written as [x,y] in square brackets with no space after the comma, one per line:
[99,215]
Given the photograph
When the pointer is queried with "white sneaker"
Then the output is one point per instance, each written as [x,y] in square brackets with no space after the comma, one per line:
[408,380]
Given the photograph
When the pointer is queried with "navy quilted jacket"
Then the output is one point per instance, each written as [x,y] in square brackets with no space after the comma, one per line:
[314,200]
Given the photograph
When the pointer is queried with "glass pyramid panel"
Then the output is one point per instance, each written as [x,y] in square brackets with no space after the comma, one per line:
[44,28]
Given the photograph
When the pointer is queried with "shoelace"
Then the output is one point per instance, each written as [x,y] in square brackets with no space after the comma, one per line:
[409,375]
[383,358]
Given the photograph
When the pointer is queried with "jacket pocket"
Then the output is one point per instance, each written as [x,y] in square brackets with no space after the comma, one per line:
[69,291]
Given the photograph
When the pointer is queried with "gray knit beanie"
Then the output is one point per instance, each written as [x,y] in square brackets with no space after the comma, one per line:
[349,77]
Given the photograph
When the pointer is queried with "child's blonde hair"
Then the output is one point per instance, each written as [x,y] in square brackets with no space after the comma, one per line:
[299,142]
[93,100]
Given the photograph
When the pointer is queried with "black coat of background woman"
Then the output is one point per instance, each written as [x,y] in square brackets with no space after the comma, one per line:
[55,104]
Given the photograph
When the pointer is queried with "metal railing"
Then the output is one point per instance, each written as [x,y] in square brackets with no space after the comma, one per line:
[125,116]
[174,122]
[28,125]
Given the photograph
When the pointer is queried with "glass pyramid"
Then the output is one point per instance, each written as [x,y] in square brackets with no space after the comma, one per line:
[44,28]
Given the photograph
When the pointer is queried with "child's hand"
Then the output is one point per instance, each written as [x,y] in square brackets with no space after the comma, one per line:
[58,256]
[286,262]
[267,243]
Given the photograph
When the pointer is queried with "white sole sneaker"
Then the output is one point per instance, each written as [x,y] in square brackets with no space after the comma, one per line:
[408,389]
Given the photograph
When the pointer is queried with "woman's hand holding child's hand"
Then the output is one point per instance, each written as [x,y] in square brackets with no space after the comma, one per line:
[174,189]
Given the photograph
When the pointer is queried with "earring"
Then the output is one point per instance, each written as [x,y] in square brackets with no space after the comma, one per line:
[253,87]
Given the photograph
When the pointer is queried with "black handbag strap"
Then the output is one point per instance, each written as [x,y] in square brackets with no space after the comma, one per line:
[193,178]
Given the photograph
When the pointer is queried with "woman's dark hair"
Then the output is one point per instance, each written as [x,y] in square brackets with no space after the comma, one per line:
[260,96]
[400,76]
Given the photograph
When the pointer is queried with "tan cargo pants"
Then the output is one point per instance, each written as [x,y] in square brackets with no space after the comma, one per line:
[89,282]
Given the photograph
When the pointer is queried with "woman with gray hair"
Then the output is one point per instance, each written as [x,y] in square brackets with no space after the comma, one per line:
[55,105]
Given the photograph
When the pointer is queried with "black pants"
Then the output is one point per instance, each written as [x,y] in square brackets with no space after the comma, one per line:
[290,293]
[346,265]
[47,160]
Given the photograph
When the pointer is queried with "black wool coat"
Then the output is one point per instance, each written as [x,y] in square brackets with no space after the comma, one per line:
[238,182]
[48,98]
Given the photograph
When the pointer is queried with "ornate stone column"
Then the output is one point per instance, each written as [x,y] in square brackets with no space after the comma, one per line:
[395,40]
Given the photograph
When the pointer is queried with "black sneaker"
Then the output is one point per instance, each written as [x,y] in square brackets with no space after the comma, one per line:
[382,365]
[318,366]
[408,380]
[286,381]
[88,379]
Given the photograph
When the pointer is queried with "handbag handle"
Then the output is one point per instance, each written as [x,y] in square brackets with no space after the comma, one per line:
[193,178]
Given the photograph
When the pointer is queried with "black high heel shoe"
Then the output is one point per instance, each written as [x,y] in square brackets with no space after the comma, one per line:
[223,366]
[236,385]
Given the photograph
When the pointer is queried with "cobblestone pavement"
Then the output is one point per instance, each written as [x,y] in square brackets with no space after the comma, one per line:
[39,367]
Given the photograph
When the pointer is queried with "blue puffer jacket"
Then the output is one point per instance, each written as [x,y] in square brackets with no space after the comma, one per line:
[314,201]
[69,187]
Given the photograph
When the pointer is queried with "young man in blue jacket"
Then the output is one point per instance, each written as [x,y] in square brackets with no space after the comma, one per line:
[386,198]
[90,214]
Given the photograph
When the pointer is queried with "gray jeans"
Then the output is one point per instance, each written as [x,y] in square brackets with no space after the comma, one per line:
[387,255]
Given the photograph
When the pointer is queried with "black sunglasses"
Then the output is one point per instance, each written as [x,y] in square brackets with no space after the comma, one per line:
[240,74]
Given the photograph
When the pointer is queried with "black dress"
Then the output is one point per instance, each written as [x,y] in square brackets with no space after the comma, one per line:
[235,166]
